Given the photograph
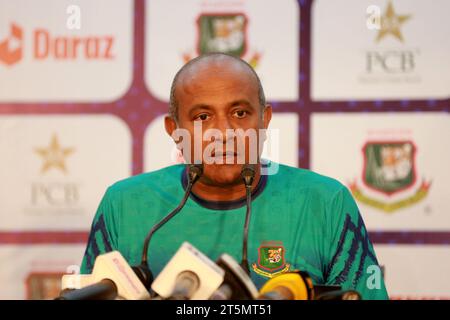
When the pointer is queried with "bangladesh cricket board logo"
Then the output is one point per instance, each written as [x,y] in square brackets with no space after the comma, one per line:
[271,259]
[390,168]
[224,32]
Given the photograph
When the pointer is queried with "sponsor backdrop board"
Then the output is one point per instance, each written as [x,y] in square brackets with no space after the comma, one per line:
[392,163]
[34,272]
[359,89]
[402,263]
[47,58]
[241,28]
[403,58]
[48,164]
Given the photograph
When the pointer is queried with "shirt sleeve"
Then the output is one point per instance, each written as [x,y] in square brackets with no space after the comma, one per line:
[102,237]
[353,263]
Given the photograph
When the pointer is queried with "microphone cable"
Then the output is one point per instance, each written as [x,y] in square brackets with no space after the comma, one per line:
[143,270]
[247,174]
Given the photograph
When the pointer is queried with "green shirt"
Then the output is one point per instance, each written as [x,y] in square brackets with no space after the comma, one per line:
[300,221]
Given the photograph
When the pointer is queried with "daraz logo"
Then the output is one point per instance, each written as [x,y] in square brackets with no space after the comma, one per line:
[11,47]
[45,46]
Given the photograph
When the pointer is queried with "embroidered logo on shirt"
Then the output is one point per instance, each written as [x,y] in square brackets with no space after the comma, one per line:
[271,259]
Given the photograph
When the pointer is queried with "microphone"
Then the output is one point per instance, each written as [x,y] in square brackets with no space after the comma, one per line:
[294,285]
[339,295]
[237,285]
[143,271]
[186,284]
[247,174]
[103,290]
[189,275]
[111,278]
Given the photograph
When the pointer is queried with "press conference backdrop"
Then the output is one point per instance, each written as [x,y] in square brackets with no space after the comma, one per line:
[360,92]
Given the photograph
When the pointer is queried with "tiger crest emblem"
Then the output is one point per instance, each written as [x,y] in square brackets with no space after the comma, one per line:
[271,259]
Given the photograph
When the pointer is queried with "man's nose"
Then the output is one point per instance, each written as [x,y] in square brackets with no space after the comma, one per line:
[226,128]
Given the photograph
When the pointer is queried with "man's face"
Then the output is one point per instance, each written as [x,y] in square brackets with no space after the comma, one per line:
[221,97]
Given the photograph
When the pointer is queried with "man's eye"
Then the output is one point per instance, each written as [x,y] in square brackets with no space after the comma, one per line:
[240,114]
[202,117]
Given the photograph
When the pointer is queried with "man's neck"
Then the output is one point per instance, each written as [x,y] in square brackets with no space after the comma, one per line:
[226,192]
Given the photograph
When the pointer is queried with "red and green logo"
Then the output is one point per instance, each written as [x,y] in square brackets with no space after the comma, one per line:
[224,32]
[271,259]
[389,168]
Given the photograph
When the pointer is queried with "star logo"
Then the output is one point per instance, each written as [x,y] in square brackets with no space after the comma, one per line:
[390,23]
[54,155]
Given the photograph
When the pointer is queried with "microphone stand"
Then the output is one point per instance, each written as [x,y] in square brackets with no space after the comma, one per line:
[143,270]
[248,174]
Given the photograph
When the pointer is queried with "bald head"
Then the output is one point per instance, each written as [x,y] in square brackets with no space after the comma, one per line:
[213,63]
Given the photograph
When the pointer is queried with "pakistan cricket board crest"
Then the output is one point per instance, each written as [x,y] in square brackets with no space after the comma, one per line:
[389,168]
[271,259]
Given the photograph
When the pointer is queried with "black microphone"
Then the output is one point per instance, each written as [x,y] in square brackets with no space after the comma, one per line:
[143,271]
[111,278]
[340,295]
[186,284]
[247,174]
[236,285]
[103,290]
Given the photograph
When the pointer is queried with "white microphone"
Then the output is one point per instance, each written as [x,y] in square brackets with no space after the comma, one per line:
[111,277]
[189,275]
[237,284]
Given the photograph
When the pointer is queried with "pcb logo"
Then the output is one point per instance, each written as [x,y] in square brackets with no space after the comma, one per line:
[389,168]
[271,259]
[224,32]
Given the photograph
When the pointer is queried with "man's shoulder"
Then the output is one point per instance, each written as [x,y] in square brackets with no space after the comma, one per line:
[149,180]
[306,180]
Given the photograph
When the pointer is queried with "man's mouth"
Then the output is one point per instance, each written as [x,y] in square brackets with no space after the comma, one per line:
[228,157]
[224,154]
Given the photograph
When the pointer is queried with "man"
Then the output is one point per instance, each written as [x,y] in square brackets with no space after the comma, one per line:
[300,220]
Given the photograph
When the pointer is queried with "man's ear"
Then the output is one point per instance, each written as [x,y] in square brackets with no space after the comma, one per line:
[170,124]
[267,115]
